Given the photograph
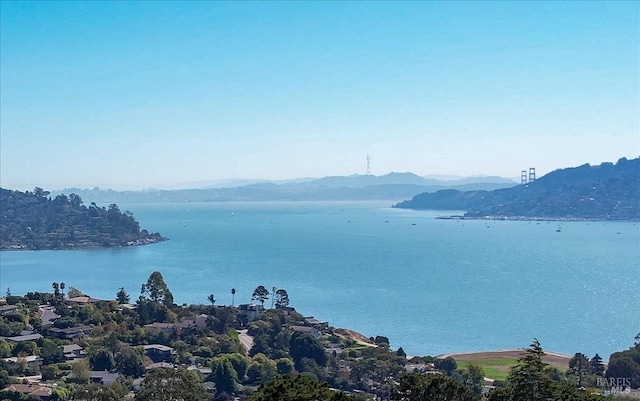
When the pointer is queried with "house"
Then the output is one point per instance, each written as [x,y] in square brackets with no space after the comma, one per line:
[84,300]
[28,337]
[32,361]
[307,330]
[30,390]
[72,352]
[102,377]
[169,329]
[6,309]
[251,311]
[199,321]
[71,332]
[204,371]
[159,365]
[319,324]
[159,352]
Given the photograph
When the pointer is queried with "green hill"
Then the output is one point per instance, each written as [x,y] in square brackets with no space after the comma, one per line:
[32,220]
[604,192]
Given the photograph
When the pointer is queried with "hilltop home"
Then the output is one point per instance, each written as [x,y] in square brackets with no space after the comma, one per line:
[319,324]
[84,300]
[251,311]
[307,330]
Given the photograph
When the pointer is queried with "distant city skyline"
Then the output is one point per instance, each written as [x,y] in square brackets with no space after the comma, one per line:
[133,95]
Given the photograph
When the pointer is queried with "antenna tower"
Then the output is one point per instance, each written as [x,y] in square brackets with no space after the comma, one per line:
[368,164]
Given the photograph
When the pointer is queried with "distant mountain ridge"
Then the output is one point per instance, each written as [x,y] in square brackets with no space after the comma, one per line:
[604,192]
[393,186]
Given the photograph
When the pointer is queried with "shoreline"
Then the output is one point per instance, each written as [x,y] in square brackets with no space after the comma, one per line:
[533,218]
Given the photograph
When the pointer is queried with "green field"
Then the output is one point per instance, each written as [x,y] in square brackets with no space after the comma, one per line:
[497,369]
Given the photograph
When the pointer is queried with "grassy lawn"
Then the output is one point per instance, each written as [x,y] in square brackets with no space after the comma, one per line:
[497,369]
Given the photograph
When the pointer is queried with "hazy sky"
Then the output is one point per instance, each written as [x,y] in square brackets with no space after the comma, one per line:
[152,94]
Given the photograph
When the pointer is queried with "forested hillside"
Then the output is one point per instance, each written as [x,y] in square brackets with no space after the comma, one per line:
[604,192]
[33,220]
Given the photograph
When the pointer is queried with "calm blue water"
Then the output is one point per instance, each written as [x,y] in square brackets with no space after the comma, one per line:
[438,286]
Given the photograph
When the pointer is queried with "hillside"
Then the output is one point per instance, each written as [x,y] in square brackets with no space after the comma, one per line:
[604,192]
[32,220]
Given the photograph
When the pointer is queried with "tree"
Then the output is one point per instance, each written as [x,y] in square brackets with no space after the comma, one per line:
[122,297]
[597,367]
[62,286]
[622,365]
[529,381]
[579,367]
[50,352]
[102,359]
[261,369]
[306,346]
[56,290]
[474,378]
[129,362]
[284,366]
[172,385]
[224,375]
[260,294]
[81,370]
[233,296]
[211,298]
[156,290]
[95,392]
[421,387]
[282,298]
[447,365]
[301,388]
[74,292]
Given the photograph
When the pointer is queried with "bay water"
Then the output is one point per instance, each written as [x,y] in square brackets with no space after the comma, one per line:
[431,286]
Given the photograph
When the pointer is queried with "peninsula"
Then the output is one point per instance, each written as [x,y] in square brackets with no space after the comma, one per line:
[33,220]
[604,192]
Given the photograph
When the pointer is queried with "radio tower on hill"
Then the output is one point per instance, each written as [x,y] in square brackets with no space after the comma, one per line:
[368,164]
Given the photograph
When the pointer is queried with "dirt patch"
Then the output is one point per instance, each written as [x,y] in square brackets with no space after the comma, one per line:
[355,336]
[556,360]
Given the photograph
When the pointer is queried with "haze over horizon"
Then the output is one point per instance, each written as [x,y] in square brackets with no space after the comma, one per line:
[132,95]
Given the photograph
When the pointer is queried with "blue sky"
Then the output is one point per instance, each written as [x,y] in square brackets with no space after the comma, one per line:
[155,94]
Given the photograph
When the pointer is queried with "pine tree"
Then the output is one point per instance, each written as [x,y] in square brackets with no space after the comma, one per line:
[528,380]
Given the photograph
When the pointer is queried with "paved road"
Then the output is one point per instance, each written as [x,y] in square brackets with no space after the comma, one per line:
[47,315]
[245,339]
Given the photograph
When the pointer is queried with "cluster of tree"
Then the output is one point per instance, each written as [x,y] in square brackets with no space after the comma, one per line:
[33,220]
[626,364]
[534,380]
